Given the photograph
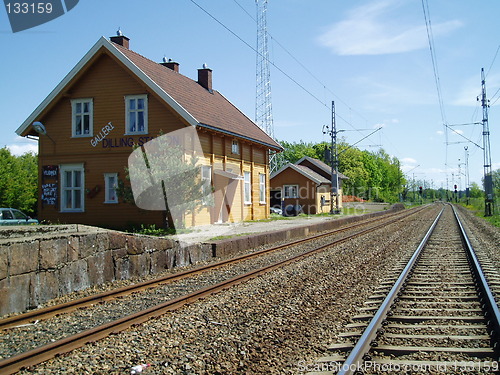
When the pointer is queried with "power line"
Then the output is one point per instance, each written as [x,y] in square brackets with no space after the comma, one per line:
[270,62]
[303,66]
[493,96]
[494,58]
[430,38]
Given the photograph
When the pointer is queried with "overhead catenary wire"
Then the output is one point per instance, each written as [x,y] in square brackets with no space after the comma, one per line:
[282,71]
[303,66]
[432,49]
[430,38]
[494,58]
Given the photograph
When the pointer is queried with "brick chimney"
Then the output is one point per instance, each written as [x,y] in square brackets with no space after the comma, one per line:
[170,64]
[120,39]
[205,77]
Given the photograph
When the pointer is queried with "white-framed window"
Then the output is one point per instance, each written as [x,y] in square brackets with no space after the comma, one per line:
[291,191]
[206,178]
[72,187]
[82,117]
[247,187]
[262,188]
[136,114]
[110,185]
[235,147]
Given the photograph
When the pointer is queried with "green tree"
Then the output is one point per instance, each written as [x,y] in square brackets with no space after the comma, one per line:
[294,151]
[371,175]
[475,191]
[18,181]
[170,178]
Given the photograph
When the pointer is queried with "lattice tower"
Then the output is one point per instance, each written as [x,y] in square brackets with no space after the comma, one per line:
[263,104]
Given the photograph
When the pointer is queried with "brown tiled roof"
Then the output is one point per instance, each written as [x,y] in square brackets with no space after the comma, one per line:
[321,165]
[210,109]
[313,174]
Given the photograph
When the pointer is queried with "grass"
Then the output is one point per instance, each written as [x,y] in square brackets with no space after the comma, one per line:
[273,217]
[216,238]
[152,230]
[477,207]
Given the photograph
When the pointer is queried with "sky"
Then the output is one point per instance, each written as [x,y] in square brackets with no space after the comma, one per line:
[372,57]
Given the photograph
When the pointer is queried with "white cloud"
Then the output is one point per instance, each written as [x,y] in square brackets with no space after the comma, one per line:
[19,149]
[374,29]
[408,161]
[440,132]
[408,164]
[470,92]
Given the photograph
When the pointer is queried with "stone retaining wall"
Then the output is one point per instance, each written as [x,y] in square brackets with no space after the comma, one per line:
[40,263]
[46,265]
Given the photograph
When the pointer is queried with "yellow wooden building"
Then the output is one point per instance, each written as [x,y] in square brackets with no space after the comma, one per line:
[113,100]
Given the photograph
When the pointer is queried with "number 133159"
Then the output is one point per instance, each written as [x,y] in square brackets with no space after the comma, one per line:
[25,8]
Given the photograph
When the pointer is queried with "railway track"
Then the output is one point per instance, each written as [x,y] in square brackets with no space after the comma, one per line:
[44,352]
[437,315]
[55,310]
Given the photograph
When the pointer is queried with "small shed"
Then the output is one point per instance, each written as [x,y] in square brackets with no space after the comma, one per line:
[306,183]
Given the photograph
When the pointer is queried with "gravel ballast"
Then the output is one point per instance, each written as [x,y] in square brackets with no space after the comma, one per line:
[270,324]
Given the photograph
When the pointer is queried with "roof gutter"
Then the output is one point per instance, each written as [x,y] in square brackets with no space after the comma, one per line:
[277,148]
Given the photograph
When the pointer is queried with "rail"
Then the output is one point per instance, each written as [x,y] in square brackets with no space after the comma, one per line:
[45,352]
[356,357]
[59,309]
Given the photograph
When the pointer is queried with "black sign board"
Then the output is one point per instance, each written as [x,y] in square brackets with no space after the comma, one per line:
[49,194]
[50,171]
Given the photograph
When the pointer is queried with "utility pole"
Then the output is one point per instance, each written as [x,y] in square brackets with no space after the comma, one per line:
[334,178]
[488,176]
[467,180]
[459,176]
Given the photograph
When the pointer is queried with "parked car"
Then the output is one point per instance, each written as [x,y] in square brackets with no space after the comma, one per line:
[276,210]
[11,216]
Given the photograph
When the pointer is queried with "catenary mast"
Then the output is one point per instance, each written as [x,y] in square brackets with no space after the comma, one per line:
[488,175]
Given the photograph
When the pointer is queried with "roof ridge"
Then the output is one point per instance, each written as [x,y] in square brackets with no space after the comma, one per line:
[258,135]
[147,58]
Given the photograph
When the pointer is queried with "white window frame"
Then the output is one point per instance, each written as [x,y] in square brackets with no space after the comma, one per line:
[262,188]
[286,191]
[235,147]
[128,98]
[75,115]
[247,187]
[206,178]
[64,168]
[110,198]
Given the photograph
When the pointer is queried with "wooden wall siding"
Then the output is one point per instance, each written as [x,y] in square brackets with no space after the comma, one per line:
[206,142]
[107,83]
[217,145]
[246,152]
[259,155]
[111,215]
[292,177]
[307,189]
[260,210]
